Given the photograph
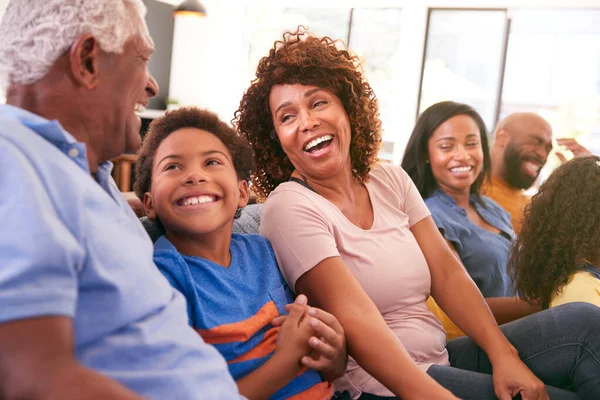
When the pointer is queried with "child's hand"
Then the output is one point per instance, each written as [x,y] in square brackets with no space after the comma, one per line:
[329,355]
[294,334]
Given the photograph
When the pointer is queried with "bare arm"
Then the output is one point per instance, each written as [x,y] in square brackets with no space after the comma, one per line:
[448,277]
[332,287]
[507,309]
[37,361]
[266,380]
[504,309]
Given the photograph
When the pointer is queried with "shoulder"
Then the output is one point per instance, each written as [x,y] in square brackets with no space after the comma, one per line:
[582,286]
[391,172]
[166,256]
[250,241]
[292,200]
[255,251]
[440,207]
[496,209]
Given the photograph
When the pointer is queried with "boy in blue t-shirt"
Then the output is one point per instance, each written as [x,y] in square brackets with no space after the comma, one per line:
[192,175]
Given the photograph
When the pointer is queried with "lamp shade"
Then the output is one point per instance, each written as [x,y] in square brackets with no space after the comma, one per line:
[191,7]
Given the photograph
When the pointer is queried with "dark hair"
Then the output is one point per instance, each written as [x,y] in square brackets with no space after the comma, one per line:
[561,229]
[307,60]
[415,155]
[190,117]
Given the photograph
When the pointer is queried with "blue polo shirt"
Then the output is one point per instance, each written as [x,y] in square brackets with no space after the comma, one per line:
[483,253]
[71,246]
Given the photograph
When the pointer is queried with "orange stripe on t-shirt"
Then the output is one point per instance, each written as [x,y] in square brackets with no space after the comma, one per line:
[264,348]
[322,391]
[240,331]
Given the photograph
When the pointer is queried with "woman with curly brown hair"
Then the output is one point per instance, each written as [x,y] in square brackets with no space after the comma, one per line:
[356,238]
[556,258]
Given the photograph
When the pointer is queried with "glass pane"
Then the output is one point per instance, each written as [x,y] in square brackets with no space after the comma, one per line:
[332,22]
[553,69]
[267,24]
[463,59]
[375,36]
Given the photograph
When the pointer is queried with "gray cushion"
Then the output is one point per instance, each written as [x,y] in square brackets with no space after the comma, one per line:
[247,222]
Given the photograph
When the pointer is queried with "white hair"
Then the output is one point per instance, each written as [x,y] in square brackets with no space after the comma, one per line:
[35,33]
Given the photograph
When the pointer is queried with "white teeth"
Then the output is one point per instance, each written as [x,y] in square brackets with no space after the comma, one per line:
[190,201]
[461,169]
[316,141]
[139,108]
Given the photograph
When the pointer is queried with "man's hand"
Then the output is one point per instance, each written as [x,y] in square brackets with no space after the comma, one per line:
[573,146]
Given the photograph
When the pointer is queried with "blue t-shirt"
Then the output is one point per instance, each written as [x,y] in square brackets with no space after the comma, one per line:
[232,307]
[483,253]
[71,246]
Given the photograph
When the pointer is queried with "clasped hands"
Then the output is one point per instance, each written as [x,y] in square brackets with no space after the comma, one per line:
[312,338]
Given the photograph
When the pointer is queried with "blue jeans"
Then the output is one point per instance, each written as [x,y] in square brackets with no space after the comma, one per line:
[560,345]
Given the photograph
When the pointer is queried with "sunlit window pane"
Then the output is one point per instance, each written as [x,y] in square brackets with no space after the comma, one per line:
[375,36]
[553,68]
[463,59]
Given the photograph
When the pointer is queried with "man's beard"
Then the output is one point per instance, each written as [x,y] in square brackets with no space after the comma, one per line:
[514,171]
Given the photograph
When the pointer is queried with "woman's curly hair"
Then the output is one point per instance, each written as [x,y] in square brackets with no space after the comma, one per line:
[561,230]
[303,59]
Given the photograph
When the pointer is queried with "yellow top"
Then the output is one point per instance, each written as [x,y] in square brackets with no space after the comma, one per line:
[511,199]
[582,286]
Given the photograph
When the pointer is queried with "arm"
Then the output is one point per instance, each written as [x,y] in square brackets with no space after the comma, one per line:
[504,309]
[373,345]
[284,365]
[448,277]
[37,361]
[507,309]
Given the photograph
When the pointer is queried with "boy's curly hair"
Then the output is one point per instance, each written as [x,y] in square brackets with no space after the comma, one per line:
[307,60]
[561,230]
[190,117]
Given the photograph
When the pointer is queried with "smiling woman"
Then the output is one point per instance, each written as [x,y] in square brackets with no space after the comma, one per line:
[448,158]
[358,240]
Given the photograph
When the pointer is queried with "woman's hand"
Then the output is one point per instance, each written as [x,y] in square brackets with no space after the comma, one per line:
[511,377]
[328,342]
[329,355]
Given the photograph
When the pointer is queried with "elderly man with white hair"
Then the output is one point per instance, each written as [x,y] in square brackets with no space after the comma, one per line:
[84,312]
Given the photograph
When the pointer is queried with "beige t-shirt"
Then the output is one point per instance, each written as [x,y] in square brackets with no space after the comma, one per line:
[305,229]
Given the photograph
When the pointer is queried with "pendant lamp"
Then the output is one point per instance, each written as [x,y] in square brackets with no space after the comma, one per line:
[191,7]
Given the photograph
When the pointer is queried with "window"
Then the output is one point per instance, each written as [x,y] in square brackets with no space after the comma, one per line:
[463,59]
[372,33]
[553,69]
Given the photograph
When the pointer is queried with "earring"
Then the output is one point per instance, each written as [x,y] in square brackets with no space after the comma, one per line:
[426,161]
[273,135]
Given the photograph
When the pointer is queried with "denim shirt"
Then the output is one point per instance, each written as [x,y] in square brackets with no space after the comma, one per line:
[483,253]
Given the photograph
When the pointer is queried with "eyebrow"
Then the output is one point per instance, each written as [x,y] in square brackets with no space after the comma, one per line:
[469,136]
[179,157]
[307,94]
